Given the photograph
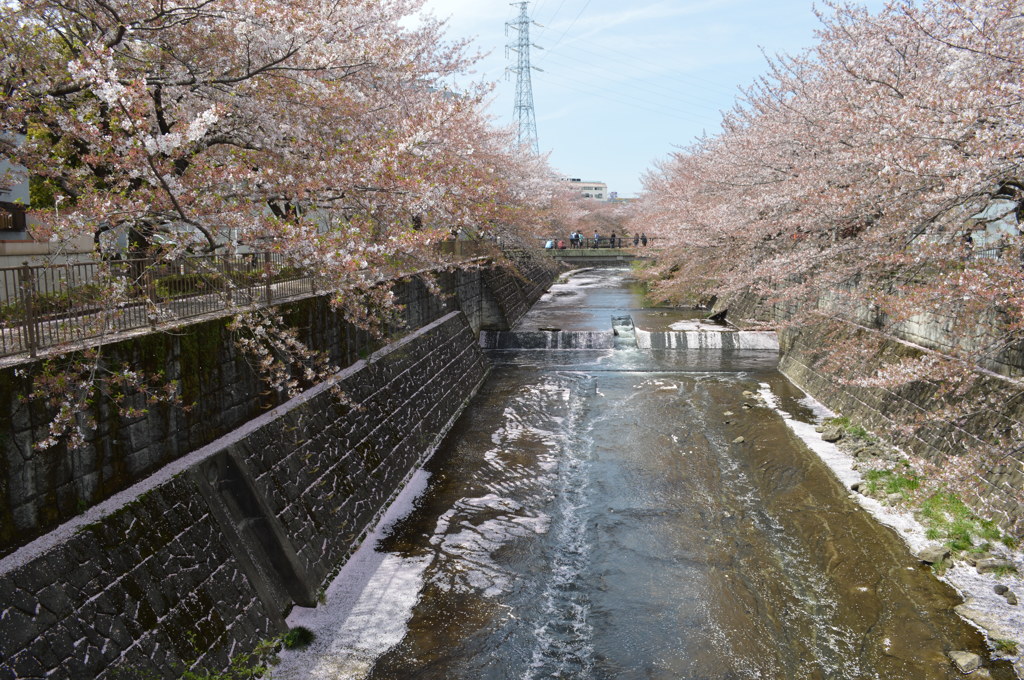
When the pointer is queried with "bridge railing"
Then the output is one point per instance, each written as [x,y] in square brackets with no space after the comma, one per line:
[588,243]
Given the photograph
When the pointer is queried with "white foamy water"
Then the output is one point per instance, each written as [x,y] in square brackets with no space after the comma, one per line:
[474,543]
[371,601]
[563,645]
[475,528]
[706,336]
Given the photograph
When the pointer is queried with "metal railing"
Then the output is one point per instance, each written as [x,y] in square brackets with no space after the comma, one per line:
[74,304]
[61,304]
[603,242]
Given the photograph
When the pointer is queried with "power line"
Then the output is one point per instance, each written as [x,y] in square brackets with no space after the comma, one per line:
[566,31]
[689,80]
[544,27]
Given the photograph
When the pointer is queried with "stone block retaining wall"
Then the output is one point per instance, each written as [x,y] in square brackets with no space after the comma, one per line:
[200,548]
[935,331]
[324,474]
[207,556]
[219,392]
[994,483]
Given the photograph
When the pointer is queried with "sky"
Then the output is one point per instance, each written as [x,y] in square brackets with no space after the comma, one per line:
[624,84]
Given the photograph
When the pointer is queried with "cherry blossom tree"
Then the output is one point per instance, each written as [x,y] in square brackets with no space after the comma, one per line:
[864,155]
[857,179]
[327,133]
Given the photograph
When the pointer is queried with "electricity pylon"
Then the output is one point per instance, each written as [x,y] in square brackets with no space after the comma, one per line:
[524,115]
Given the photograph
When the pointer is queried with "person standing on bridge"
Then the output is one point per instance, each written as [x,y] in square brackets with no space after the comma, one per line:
[636,239]
[597,240]
[611,241]
[643,238]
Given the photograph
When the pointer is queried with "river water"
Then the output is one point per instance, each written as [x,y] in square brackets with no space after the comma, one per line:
[593,515]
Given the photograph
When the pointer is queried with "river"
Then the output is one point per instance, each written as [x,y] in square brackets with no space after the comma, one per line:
[631,513]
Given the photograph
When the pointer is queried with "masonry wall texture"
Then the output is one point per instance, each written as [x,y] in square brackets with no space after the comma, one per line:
[203,557]
[219,392]
[996,481]
[931,330]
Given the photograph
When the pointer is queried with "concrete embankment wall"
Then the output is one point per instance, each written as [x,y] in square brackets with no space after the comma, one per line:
[971,446]
[985,340]
[909,415]
[218,388]
[203,557]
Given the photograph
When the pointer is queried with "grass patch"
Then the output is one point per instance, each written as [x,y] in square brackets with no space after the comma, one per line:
[855,431]
[890,482]
[949,520]
[1008,647]
[858,432]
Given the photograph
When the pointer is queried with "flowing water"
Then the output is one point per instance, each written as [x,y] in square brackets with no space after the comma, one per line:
[593,515]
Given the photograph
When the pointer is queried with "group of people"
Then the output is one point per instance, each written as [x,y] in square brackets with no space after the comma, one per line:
[578,240]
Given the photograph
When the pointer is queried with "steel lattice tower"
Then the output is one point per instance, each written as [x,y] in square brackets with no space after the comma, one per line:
[524,115]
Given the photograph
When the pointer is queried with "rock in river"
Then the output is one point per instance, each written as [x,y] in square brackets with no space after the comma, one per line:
[832,433]
[966,662]
[933,554]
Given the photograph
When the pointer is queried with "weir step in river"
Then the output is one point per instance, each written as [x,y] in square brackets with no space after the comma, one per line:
[624,333]
[605,510]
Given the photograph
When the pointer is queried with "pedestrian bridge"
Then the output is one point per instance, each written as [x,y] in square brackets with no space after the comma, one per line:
[598,256]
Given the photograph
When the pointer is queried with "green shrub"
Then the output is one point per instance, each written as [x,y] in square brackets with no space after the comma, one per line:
[179,285]
[43,304]
[298,637]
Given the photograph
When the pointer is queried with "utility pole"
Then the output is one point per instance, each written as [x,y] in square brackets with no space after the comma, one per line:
[524,115]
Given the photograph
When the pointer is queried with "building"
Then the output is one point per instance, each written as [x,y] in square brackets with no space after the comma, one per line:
[17,245]
[589,188]
[14,199]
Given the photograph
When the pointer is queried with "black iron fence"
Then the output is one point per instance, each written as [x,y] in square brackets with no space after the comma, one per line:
[82,303]
[61,304]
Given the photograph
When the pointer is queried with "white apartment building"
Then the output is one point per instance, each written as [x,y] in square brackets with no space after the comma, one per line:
[589,188]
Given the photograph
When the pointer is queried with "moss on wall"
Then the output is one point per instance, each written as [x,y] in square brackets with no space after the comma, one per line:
[198,355]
